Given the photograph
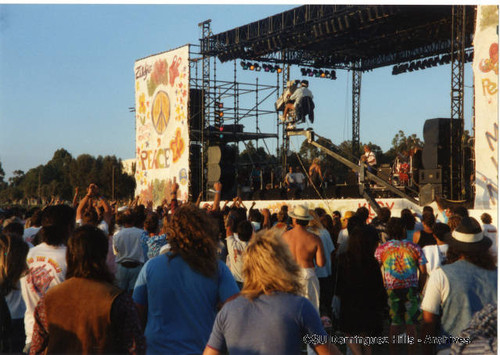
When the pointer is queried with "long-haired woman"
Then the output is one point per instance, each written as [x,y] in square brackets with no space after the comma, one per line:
[87,313]
[363,298]
[177,293]
[269,316]
[13,251]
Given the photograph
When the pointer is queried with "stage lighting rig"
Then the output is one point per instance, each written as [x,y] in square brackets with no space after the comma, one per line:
[324,74]
[219,117]
[428,63]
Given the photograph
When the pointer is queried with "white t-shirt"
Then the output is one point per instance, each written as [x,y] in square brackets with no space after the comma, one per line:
[47,268]
[437,290]
[370,158]
[300,178]
[342,240]
[300,93]
[236,249]
[435,255]
[491,232]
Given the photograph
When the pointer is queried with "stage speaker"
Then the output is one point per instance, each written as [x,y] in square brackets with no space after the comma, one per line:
[428,193]
[194,170]
[430,176]
[437,139]
[221,167]
[195,109]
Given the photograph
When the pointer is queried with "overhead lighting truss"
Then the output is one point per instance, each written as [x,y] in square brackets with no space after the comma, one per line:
[422,64]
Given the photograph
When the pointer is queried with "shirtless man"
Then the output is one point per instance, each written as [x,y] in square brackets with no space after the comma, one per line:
[306,248]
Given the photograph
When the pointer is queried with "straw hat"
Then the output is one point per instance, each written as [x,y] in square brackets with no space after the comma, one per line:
[300,212]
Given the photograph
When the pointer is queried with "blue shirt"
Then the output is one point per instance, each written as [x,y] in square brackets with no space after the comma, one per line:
[181,304]
[268,324]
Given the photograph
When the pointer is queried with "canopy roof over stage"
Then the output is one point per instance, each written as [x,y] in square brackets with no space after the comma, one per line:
[343,36]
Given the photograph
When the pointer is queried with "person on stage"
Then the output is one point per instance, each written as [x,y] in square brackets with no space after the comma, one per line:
[296,99]
[315,175]
[369,159]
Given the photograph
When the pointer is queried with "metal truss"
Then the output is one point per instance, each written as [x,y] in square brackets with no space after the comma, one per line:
[337,36]
[458,44]
[206,98]
[356,105]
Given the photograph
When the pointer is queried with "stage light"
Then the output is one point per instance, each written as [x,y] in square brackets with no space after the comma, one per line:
[257,67]
[316,73]
[328,75]
[219,114]
[252,66]
[322,74]
[333,75]
[244,65]
[310,72]
[303,71]
[395,70]
[278,69]
[266,68]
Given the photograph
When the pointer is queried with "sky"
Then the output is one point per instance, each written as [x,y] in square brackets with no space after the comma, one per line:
[67,80]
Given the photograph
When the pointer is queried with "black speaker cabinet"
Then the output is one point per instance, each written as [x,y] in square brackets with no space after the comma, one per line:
[437,149]
[430,176]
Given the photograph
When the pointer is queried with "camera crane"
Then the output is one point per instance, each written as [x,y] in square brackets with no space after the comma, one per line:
[364,175]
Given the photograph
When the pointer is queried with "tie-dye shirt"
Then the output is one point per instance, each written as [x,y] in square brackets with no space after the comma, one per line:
[400,260]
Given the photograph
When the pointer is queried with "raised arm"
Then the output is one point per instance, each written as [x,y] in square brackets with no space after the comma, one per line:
[108,213]
[75,198]
[86,201]
[218,191]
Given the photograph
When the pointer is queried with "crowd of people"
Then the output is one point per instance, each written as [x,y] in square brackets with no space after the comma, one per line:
[186,278]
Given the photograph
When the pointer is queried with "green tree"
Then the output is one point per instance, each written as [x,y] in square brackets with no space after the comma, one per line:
[17,178]
[3,184]
[62,174]
[401,144]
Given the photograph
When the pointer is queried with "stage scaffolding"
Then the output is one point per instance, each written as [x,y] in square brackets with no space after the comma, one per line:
[349,37]
[241,105]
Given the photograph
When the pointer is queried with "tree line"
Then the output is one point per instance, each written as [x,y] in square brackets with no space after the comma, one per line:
[63,174]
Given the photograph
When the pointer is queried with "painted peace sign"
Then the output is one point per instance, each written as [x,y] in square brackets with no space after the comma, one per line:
[160,114]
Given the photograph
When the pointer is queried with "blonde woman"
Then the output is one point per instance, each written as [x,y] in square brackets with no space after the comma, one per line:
[271,292]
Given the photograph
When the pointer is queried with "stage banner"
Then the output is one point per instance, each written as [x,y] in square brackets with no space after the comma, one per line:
[485,67]
[162,130]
